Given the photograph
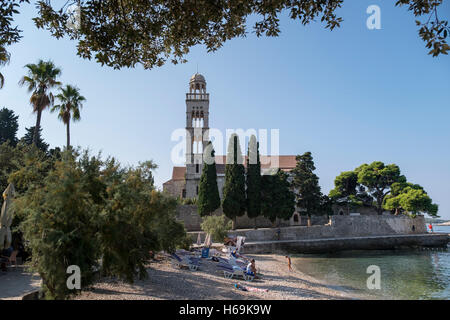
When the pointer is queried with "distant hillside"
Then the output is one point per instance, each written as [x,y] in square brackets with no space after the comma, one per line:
[443,224]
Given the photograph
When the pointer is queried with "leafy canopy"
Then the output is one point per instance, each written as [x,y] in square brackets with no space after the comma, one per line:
[216,226]
[277,199]
[123,33]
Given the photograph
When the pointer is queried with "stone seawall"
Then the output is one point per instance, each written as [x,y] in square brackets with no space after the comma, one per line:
[352,243]
[338,227]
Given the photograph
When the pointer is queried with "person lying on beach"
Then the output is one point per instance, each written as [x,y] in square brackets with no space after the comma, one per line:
[289,263]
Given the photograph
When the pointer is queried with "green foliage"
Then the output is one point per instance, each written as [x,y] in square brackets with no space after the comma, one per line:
[234,201]
[208,193]
[386,185]
[306,185]
[4,59]
[40,79]
[150,33]
[277,199]
[378,178]
[92,213]
[9,34]
[188,201]
[253,179]
[347,191]
[216,227]
[29,136]
[71,101]
[8,126]
[408,198]
[60,227]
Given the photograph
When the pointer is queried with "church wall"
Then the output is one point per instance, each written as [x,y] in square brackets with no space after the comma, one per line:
[191,219]
[174,187]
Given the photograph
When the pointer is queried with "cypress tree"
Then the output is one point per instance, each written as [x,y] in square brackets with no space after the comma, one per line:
[234,202]
[208,193]
[253,180]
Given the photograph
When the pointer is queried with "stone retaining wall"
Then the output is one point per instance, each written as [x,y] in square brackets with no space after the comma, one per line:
[189,216]
[338,227]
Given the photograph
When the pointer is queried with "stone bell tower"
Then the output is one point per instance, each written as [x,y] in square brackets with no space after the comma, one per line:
[197,126]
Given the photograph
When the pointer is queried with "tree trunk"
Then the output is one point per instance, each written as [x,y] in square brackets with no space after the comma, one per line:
[233,226]
[68,135]
[37,127]
[379,205]
[309,221]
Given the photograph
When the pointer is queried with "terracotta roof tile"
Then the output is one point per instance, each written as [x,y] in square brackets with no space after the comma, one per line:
[286,163]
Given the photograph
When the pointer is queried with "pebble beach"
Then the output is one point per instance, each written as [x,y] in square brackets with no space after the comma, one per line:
[168,282]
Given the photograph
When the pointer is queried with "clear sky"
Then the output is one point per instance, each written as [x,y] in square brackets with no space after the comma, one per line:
[349,96]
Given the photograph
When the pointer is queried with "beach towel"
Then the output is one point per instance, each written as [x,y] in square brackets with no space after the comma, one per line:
[253,289]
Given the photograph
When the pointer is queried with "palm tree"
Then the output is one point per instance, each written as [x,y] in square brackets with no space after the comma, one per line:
[4,59]
[69,108]
[40,79]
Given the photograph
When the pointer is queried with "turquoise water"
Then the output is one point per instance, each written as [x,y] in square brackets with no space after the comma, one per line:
[412,274]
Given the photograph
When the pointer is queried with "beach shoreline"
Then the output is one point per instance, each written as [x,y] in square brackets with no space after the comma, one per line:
[167,282]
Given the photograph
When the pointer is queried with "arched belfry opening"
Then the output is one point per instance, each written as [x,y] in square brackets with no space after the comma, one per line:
[197,126]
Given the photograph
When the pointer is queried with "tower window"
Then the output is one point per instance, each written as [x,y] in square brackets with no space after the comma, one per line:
[197,168]
[197,190]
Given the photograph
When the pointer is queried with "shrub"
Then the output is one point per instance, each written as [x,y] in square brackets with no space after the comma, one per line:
[216,227]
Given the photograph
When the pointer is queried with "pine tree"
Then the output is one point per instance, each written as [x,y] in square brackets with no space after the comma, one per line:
[40,143]
[306,183]
[8,126]
[277,199]
[234,202]
[253,180]
[208,193]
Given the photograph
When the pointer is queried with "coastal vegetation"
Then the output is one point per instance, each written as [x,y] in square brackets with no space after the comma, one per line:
[216,226]
[150,33]
[253,180]
[234,201]
[208,193]
[383,187]
[72,208]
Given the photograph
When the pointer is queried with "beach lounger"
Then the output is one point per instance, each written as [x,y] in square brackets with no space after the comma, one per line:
[191,263]
[229,271]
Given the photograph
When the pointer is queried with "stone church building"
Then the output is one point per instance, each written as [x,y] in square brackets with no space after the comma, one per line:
[185,180]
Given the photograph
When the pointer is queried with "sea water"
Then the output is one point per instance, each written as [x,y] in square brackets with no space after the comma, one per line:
[404,274]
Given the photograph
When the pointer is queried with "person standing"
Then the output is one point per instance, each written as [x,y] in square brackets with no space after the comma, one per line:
[430,226]
[289,263]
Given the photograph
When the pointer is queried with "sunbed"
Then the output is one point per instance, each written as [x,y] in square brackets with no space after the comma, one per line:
[229,271]
[189,262]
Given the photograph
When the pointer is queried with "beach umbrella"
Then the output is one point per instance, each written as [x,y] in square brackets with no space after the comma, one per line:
[6,217]
[208,241]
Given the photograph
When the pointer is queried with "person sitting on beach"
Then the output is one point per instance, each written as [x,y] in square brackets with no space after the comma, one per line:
[251,267]
[289,263]
[230,241]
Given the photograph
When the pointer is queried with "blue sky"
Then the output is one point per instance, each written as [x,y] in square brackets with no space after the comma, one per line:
[349,96]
